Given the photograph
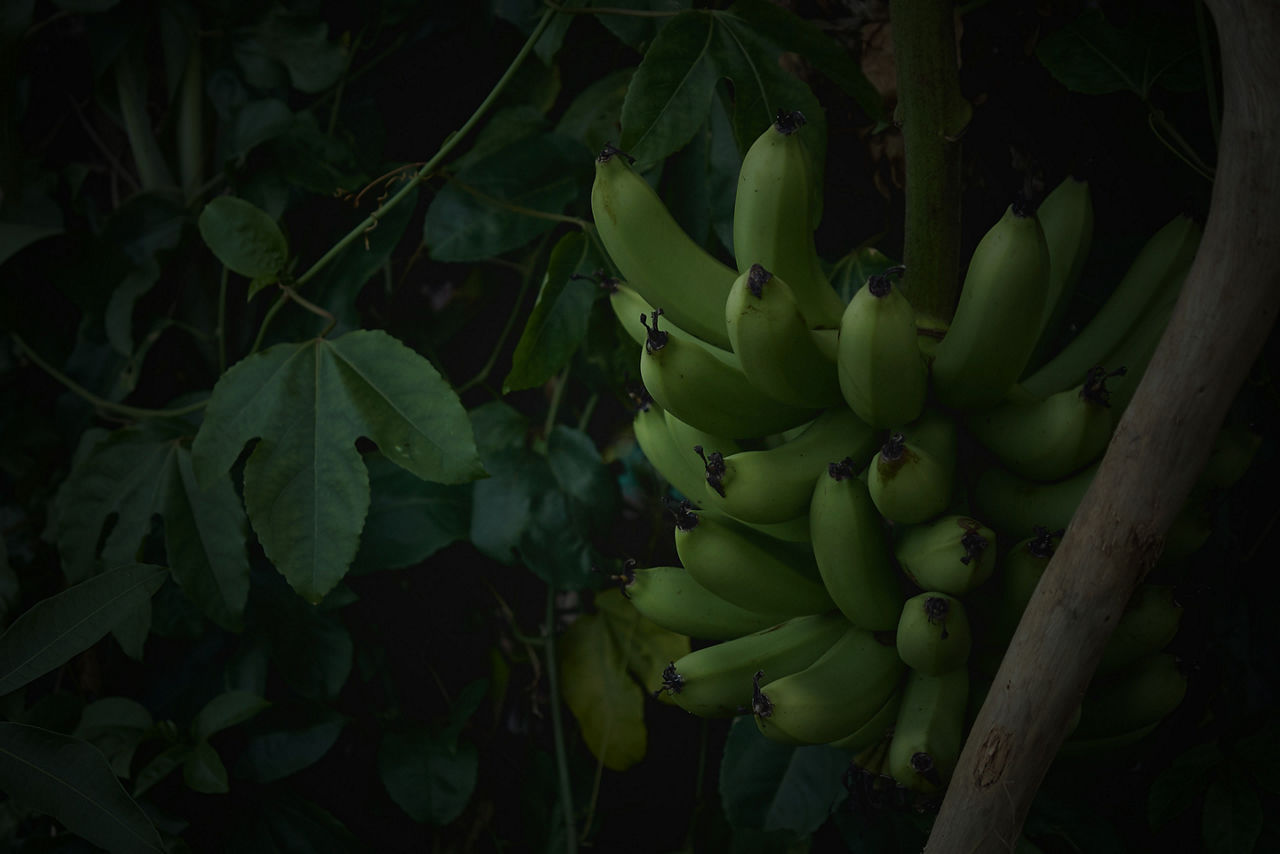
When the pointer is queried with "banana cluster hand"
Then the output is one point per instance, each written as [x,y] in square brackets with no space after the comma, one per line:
[864,511]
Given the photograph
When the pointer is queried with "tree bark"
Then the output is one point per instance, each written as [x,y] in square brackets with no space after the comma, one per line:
[1228,305]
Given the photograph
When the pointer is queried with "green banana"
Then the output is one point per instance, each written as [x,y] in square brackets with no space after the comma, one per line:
[1134,352]
[851,549]
[774,217]
[1148,624]
[747,568]
[994,329]
[715,681]
[1066,217]
[952,554]
[631,310]
[667,458]
[1137,696]
[882,372]
[1160,266]
[672,598]
[929,730]
[773,485]
[701,390]
[877,728]
[1019,573]
[654,254]
[842,690]
[1049,439]
[907,482]
[933,633]
[1011,503]
[769,336]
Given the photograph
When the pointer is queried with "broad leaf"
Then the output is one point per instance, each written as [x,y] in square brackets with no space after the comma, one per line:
[71,781]
[428,774]
[161,765]
[243,237]
[558,323]
[62,626]
[136,474]
[203,771]
[771,786]
[852,271]
[306,487]
[592,116]
[116,726]
[289,48]
[1092,56]
[1232,818]
[493,205]
[597,654]
[639,30]
[554,544]
[226,710]
[287,738]
[582,475]
[409,519]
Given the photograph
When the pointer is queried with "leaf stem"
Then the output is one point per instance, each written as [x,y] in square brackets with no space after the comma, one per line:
[95,400]
[557,725]
[934,117]
[1177,144]
[557,395]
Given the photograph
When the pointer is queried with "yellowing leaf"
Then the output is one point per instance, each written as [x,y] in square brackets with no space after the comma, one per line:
[596,654]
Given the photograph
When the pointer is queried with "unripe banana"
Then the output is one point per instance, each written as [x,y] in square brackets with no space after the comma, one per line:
[667,458]
[908,483]
[842,690]
[670,597]
[1020,571]
[654,254]
[1148,624]
[769,336]
[994,329]
[933,633]
[952,554]
[1049,439]
[700,389]
[877,729]
[1066,217]
[688,440]
[851,549]
[1008,502]
[1132,698]
[773,485]
[883,375]
[716,681]
[1160,266]
[774,218]
[632,312]
[748,569]
[929,730]
[1135,350]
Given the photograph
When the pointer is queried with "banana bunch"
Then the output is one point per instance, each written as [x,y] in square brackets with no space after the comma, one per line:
[865,511]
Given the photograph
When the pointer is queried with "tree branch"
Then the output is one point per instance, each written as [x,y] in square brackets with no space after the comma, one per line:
[1228,305]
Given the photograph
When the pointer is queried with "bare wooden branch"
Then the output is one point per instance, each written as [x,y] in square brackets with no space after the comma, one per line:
[1228,306]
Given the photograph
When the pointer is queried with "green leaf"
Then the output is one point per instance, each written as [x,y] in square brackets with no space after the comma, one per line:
[62,626]
[770,786]
[1182,783]
[1092,56]
[671,90]
[638,31]
[116,726]
[203,770]
[558,323]
[605,700]
[243,237]
[16,236]
[792,33]
[71,781]
[852,271]
[409,519]
[582,475]
[254,123]
[295,45]
[492,206]
[206,535]
[306,487]
[554,545]
[427,774]
[287,738]
[226,710]
[161,766]
[648,647]
[592,116]
[1232,817]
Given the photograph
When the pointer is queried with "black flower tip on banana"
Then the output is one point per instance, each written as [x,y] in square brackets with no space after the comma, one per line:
[686,519]
[655,338]
[672,681]
[787,123]
[714,464]
[610,151]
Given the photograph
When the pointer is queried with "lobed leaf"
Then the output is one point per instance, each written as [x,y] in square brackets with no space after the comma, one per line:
[306,487]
